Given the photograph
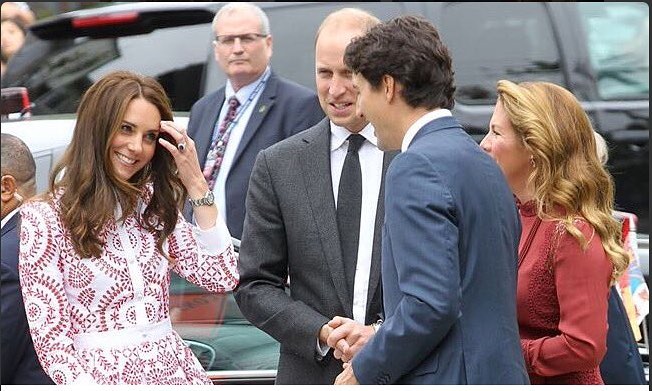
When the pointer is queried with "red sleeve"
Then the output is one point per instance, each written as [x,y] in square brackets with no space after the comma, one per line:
[582,279]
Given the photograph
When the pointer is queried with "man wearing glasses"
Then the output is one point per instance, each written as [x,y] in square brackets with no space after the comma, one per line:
[254,110]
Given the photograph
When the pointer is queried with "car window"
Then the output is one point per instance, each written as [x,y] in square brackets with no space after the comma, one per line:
[175,56]
[217,332]
[492,41]
[618,37]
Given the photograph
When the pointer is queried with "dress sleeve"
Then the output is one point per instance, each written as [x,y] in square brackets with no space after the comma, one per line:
[204,257]
[582,279]
[46,304]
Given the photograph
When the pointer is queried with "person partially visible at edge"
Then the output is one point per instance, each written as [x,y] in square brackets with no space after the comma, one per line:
[314,214]
[622,364]
[19,362]
[451,227]
[255,109]
[96,250]
[570,251]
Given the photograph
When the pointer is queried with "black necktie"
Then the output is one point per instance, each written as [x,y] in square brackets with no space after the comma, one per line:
[349,201]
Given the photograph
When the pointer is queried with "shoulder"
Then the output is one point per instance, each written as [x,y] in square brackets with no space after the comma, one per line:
[42,211]
[208,100]
[314,134]
[292,89]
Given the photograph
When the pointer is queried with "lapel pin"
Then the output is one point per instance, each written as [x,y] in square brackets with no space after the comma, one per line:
[262,108]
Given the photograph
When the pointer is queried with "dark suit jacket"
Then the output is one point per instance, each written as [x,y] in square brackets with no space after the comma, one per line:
[291,229]
[449,264]
[283,109]
[622,363]
[19,362]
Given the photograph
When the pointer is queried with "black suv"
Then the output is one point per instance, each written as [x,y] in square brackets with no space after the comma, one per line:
[599,51]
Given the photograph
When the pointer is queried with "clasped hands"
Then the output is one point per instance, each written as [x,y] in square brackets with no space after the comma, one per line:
[345,336]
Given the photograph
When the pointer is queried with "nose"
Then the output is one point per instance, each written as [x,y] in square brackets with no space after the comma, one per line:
[338,86]
[135,144]
[485,143]
[237,45]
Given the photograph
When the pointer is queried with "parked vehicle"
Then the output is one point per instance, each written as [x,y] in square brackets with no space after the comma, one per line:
[599,51]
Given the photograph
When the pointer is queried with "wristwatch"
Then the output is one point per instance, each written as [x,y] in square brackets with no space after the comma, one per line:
[208,199]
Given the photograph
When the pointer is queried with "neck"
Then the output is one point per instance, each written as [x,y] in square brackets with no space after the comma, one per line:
[238,83]
[523,193]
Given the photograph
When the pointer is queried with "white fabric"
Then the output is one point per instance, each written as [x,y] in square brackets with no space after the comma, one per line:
[420,123]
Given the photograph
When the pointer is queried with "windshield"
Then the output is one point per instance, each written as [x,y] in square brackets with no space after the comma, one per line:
[619,37]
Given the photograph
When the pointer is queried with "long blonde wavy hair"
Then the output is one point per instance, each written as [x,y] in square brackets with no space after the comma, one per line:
[567,172]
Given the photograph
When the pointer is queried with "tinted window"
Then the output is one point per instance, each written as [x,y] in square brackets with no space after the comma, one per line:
[493,41]
[618,38]
[61,71]
[217,332]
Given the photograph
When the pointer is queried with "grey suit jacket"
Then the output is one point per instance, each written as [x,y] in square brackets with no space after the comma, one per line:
[291,230]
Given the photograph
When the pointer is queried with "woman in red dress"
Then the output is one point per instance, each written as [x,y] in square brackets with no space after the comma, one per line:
[570,252]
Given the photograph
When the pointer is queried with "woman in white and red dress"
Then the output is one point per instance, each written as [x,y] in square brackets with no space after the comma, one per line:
[96,250]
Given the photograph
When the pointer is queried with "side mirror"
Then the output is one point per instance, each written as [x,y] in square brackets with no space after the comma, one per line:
[15,103]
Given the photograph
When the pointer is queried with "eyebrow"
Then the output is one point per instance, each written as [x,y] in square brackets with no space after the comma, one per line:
[124,121]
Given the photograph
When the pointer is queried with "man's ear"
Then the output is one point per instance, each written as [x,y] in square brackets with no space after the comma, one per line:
[9,187]
[389,85]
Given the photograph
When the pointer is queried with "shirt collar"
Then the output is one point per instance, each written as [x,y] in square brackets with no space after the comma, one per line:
[244,92]
[9,216]
[420,123]
[339,135]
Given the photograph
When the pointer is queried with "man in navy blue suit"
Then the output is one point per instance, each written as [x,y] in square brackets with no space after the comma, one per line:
[19,362]
[449,256]
[228,134]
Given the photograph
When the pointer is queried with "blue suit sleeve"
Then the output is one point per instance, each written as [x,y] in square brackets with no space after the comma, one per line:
[421,237]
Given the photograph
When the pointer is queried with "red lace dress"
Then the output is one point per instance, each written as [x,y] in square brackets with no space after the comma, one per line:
[562,296]
[106,320]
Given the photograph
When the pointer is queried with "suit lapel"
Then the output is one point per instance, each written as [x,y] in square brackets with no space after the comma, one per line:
[374,301]
[315,159]
[204,137]
[11,224]
[263,106]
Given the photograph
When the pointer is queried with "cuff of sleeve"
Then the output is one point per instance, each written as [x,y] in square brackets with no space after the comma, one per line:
[214,240]
[322,350]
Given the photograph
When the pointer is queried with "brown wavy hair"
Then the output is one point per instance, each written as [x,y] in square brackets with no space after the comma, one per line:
[567,172]
[85,175]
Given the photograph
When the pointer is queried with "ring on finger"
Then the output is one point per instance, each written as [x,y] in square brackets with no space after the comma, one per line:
[181,146]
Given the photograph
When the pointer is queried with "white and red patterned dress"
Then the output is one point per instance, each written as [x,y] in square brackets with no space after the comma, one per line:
[106,320]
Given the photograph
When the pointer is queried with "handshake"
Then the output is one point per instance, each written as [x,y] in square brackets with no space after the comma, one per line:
[345,336]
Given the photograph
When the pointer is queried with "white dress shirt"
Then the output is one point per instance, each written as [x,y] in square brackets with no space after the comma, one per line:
[219,188]
[420,123]
[371,165]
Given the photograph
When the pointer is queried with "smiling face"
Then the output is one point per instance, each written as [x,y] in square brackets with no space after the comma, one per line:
[504,145]
[243,60]
[134,143]
[337,95]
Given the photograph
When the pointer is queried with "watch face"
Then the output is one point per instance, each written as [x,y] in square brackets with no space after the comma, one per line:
[210,198]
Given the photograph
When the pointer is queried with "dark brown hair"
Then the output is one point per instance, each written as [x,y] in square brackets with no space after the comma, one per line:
[407,48]
[85,175]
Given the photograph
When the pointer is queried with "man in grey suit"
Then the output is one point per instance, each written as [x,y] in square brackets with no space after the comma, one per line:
[299,226]
[254,110]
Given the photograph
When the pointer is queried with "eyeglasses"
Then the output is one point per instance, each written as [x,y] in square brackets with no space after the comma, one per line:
[245,39]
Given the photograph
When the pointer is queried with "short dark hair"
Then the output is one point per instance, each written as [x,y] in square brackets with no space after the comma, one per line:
[409,49]
[17,161]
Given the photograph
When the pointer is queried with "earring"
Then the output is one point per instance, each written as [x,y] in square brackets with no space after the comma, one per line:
[532,163]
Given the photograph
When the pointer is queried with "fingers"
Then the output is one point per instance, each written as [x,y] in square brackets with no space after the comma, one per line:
[178,134]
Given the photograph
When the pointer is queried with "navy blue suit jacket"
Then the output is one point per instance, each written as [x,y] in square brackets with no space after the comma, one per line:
[622,363]
[283,109]
[19,362]
[449,267]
